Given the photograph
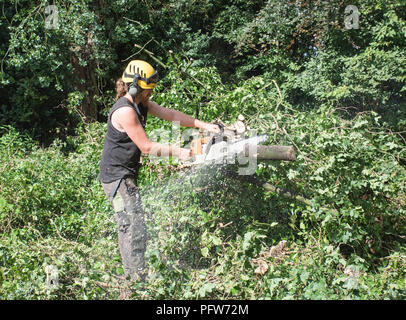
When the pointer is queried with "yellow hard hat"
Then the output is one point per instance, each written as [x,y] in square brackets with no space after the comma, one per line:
[148,76]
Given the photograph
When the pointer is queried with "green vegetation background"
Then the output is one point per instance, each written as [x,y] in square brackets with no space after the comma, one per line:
[291,68]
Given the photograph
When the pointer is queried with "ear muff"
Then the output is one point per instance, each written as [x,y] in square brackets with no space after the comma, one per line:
[134,88]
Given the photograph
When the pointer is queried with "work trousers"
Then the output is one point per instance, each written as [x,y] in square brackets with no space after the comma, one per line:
[131,226]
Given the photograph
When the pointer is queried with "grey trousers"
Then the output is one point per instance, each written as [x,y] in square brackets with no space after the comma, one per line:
[131,226]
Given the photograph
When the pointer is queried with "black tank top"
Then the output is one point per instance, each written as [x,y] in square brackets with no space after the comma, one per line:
[121,156]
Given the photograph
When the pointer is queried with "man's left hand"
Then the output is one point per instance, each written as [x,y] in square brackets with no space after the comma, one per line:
[214,128]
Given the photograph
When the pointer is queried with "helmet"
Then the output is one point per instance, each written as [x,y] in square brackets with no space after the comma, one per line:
[147,75]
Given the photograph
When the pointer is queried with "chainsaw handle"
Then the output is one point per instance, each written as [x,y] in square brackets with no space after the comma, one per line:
[221,126]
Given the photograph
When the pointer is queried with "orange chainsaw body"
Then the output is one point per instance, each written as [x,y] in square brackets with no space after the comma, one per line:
[197,145]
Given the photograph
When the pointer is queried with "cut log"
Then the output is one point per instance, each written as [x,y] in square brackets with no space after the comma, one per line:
[286,153]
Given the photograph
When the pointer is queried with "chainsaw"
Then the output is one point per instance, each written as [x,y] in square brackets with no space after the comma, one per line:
[227,145]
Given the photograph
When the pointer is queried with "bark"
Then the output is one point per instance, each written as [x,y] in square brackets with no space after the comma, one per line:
[85,78]
[286,153]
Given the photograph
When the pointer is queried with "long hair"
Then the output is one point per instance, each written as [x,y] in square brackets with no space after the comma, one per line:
[121,88]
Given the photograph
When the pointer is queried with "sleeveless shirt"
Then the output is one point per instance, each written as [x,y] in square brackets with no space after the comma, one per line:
[121,156]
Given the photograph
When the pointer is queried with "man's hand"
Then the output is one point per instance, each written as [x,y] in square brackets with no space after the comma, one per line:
[213,128]
[184,154]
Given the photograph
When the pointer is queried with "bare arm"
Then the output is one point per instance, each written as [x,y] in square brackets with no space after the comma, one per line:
[183,119]
[128,120]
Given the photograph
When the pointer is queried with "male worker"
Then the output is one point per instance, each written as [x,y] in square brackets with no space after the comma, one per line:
[125,141]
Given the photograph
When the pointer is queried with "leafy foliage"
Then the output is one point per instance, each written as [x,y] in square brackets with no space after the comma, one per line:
[211,234]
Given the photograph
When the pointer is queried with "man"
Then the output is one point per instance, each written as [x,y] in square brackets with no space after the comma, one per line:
[125,141]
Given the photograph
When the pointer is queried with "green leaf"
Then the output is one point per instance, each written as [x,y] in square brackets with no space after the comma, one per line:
[304,276]
[205,252]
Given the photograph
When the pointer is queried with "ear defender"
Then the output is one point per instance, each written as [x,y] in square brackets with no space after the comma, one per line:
[134,88]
